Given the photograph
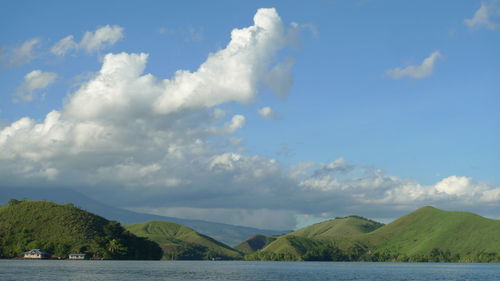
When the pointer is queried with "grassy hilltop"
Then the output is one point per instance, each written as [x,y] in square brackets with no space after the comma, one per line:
[457,236]
[338,228]
[64,229]
[303,243]
[181,242]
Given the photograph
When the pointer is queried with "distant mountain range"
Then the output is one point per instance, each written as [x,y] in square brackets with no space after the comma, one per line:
[425,235]
[226,233]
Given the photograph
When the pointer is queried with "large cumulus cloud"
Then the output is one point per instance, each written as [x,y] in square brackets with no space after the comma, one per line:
[163,145]
[137,137]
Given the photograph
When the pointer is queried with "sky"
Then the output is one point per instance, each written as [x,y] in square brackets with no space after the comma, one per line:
[272,114]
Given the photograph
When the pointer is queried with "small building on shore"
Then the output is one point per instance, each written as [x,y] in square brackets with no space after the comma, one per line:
[77,256]
[36,254]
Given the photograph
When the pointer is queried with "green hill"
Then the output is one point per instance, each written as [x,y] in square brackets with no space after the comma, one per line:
[254,243]
[181,242]
[64,229]
[228,234]
[302,243]
[425,235]
[432,234]
[292,246]
[347,227]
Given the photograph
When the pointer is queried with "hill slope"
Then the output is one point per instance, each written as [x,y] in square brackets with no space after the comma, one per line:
[332,235]
[226,233]
[63,229]
[254,243]
[181,242]
[346,227]
[429,232]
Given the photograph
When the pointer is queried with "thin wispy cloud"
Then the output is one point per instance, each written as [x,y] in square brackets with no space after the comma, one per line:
[22,54]
[64,46]
[425,69]
[91,42]
[267,112]
[189,33]
[483,17]
[33,81]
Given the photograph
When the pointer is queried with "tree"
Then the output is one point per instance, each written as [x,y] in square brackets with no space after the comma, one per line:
[116,248]
[13,202]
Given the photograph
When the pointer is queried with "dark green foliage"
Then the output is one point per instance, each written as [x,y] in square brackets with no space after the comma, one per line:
[325,253]
[270,256]
[64,229]
[185,251]
[13,202]
[254,243]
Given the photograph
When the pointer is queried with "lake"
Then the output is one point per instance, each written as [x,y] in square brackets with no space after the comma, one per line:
[241,270]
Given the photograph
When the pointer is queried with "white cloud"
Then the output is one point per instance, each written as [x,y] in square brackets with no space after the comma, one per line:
[91,42]
[482,17]
[25,53]
[237,122]
[232,74]
[64,45]
[454,185]
[491,196]
[374,187]
[123,122]
[224,161]
[267,112]
[101,38]
[33,81]
[149,142]
[416,72]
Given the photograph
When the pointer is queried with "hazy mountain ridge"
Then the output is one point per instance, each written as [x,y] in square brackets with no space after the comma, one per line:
[226,233]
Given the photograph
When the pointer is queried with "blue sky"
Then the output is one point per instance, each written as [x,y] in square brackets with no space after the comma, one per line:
[364,105]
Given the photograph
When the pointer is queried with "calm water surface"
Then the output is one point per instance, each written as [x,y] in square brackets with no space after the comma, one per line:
[240,270]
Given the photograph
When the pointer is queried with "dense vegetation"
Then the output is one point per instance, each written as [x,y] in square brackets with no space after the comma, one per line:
[180,242]
[426,235]
[254,243]
[64,229]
